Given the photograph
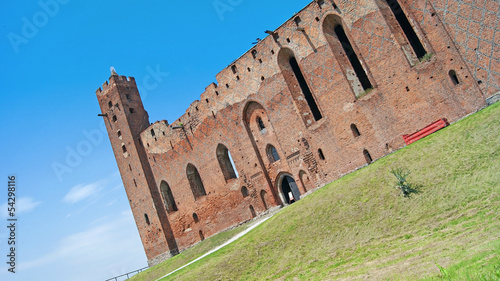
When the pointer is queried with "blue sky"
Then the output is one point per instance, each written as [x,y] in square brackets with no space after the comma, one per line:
[74,221]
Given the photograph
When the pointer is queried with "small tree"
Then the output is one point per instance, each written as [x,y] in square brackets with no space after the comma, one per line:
[402,185]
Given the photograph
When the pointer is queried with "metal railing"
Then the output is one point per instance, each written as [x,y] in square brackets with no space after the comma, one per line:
[130,274]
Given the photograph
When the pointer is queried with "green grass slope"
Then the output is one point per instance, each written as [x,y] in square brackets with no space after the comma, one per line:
[190,254]
[359,228]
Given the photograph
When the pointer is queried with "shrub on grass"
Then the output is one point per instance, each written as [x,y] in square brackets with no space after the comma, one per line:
[405,188]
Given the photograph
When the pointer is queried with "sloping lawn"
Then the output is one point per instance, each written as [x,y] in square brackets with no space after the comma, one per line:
[359,228]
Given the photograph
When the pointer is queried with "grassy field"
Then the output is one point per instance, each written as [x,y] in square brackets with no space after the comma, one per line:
[359,228]
[190,254]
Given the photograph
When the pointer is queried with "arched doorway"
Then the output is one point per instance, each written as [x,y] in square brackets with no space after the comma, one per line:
[288,187]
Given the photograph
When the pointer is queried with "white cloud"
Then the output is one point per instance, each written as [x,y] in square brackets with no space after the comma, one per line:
[81,192]
[92,191]
[115,239]
[22,205]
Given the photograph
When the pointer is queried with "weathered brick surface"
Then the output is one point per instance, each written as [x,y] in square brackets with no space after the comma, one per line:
[406,95]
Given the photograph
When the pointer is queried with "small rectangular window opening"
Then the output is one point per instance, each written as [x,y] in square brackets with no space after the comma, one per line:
[234,69]
[321,155]
[254,54]
[152,132]
[131,110]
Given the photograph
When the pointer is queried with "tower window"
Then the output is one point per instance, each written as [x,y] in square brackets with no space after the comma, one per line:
[152,132]
[195,218]
[146,218]
[272,153]
[234,69]
[128,97]
[131,110]
[110,104]
[355,130]
[114,118]
[135,183]
[119,133]
[124,148]
[454,77]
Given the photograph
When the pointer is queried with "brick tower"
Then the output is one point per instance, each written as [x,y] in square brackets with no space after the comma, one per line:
[125,119]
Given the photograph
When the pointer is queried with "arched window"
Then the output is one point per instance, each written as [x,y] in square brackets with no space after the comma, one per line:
[304,179]
[368,157]
[195,181]
[226,162]
[272,153]
[298,86]
[355,130]
[454,77]
[252,211]
[168,198]
[346,55]
[305,89]
[195,218]
[353,57]
[244,191]
[263,197]
[260,124]
[405,25]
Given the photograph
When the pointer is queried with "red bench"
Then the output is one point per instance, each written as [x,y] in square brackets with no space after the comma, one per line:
[429,129]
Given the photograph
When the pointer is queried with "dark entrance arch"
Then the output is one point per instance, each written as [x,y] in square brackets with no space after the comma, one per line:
[288,185]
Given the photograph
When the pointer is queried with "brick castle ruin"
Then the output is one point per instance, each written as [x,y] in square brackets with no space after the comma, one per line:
[330,90]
